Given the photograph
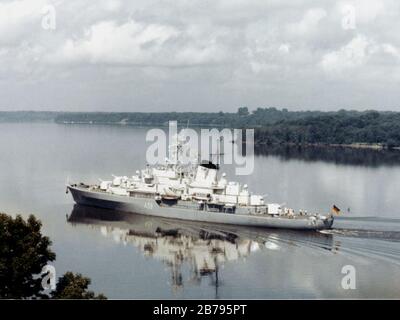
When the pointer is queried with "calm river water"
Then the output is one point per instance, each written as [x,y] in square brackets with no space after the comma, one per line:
[128,256]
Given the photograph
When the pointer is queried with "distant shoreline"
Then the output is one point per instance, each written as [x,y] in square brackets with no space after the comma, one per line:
[337,129]
[372,146]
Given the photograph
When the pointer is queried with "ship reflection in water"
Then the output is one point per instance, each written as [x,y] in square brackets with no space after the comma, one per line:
[201,247]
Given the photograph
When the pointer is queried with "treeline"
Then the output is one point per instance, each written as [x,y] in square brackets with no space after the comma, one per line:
[380,129]
[27,116]
[241,118]
[272,126]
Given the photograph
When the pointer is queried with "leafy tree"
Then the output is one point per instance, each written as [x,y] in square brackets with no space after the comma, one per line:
[24,251]
[243,111]
[23,254]
[74,286]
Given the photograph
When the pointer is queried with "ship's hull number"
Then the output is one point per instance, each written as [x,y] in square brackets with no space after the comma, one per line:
[148,205]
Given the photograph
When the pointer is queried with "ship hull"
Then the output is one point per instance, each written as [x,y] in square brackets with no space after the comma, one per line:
[149,207]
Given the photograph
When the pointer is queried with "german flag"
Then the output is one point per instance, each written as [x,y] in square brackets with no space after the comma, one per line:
[335,209]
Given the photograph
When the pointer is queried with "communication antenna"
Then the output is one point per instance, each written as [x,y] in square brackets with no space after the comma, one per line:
[177,148]
[218,154]
[218,142]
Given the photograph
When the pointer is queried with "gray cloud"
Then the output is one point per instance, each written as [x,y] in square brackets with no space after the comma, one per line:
[199,55]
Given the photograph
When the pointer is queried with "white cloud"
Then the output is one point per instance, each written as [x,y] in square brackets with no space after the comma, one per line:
[18,17]
[352,55]
[391,49]
[284,48]
[367,11]
[112,5]
[139,44]
[309,22]
[107,42]
[356,54]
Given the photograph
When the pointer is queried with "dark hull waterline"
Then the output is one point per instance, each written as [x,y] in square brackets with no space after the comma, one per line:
[150,207]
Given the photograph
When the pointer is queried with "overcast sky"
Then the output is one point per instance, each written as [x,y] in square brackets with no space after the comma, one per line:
[205,55]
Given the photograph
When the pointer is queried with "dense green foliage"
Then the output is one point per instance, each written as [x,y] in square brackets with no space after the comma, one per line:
[369,127]
[23,254]
[74,286]
[24,251]
[25,116]
[274,126]
[242,118]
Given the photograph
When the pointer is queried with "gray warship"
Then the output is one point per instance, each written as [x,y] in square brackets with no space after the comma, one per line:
[195,192]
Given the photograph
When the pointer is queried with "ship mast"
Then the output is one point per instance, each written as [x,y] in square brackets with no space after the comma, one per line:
[218,154]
